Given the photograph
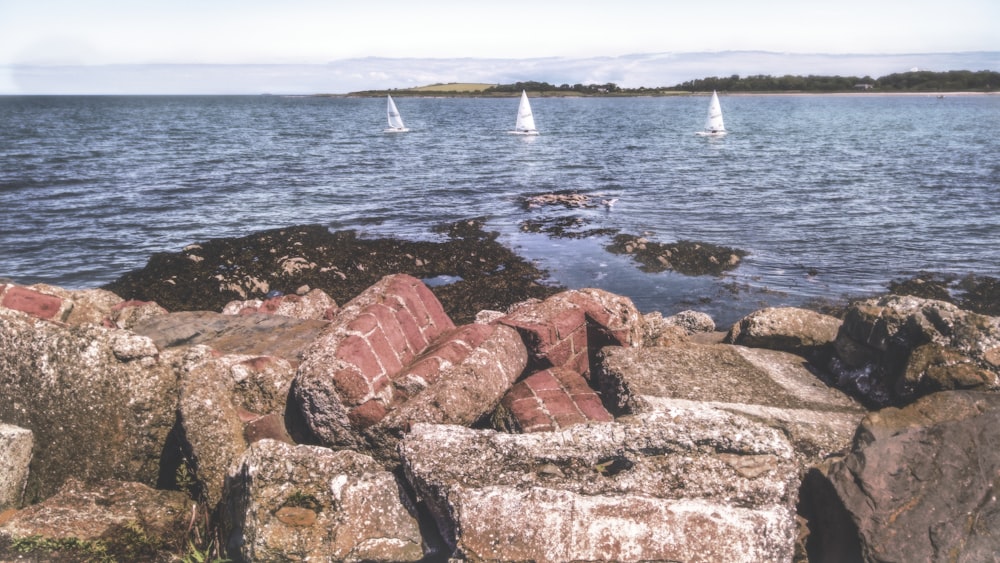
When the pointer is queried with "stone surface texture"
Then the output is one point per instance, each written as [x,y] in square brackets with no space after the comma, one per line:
[310,503]
[15,458]
[679,484]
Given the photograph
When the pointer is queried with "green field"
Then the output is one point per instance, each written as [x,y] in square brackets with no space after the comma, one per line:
[452,87]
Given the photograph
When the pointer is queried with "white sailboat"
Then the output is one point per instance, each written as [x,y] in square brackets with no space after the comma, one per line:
[395,121]
[713,123]
[525,124]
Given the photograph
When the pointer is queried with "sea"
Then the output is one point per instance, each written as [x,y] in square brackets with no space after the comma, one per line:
[831,196]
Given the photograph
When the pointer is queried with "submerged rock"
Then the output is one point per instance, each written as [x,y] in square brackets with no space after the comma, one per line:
[684,257]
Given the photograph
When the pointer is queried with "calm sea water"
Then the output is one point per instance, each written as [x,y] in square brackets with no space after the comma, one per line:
[832,196]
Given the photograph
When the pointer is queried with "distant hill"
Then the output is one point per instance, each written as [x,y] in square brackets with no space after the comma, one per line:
[453,87]
[914,81]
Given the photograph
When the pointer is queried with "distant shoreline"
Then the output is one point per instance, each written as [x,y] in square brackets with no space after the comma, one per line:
[405,94]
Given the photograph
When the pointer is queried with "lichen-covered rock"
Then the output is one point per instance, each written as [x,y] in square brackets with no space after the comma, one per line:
[775,387]
[789,329]
[109,520]
[879,351]
[681,484]
[288,502]
[15,456]
[219,397]
[918,485]
[99,401]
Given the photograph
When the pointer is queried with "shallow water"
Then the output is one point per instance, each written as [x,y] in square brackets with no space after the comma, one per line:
[832,196]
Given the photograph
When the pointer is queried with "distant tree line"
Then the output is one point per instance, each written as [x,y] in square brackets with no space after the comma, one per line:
[532,86]
[915,81]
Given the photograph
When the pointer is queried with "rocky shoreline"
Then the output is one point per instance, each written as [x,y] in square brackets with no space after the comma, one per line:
[299,394]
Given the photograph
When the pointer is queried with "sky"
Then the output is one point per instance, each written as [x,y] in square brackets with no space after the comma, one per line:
[58,43]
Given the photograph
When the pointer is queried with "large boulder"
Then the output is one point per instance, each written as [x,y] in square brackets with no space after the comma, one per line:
[99,401]
[894,349]
[789,329]
[918,485]
[778,388]
[223,406]
[103,521]
[307,503]
[682,484]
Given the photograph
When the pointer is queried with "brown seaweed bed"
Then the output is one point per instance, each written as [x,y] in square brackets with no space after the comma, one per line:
[468,271]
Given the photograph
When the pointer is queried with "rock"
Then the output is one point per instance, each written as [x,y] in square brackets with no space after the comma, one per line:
[110,520]
[567,329]
[878,357]
[38,304]
[255,334]
[219,398]
[462,391]
[314,304]
[288,502]
[776,388]
[128,314]
[789,329]
[692,321]
[15,456]
[549,400]
[345,381]
[683,484]
[918,485]
[99,401]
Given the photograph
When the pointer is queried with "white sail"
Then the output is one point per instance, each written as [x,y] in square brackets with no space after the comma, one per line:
[395,120]
[713,123]
[525,124]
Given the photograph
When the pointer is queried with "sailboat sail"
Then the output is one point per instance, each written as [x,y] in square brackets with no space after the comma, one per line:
[395,120]
[713,123]
[525,124]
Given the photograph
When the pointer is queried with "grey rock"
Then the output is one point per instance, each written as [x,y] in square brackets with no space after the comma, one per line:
[15,457]
[777,388]
[681,484]
[252,334]
[287,502]
[789,329]
[99,401]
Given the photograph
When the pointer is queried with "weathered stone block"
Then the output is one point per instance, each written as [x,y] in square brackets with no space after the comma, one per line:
[772,386]
[287,502]
[15,457]
[683,484]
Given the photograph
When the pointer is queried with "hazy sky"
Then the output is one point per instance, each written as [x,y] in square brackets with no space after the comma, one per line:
[101,32]
[315,31]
